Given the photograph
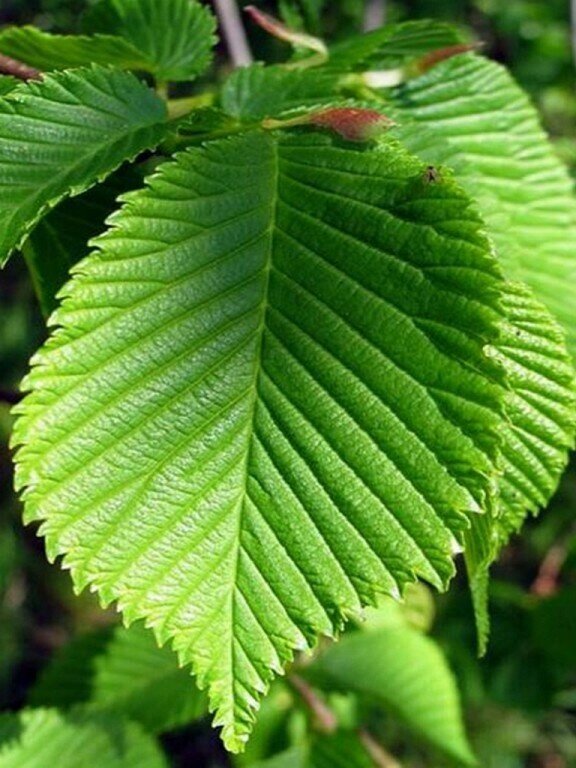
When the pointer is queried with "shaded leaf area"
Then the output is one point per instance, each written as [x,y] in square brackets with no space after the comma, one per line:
[405,672]
[502,157]
[43,737]
[123,670]
[60,136]
[62,237]
[276,323]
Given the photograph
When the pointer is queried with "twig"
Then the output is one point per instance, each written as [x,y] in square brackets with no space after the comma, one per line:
[381,757]
[375,14]
[18,69]
[233,32]
[546,582]
[325,720]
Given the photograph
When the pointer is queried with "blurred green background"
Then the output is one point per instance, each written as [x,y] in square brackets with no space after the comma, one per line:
[521,699]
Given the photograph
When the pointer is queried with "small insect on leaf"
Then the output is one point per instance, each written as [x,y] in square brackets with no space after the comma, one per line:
[432,175]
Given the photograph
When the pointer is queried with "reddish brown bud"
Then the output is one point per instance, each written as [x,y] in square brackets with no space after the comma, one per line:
[354,124]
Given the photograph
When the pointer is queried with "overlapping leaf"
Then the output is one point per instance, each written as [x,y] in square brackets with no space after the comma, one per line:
[123,671]
[38,738]
[505,162]
[269,400]
[175,37]
[392,45]
[541,408]
[405,672]
[49,52]
[60,136]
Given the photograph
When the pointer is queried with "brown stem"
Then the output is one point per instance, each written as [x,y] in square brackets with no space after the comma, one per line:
[546,582]
[233,32]
[324,719]
[381,757]
[18,69]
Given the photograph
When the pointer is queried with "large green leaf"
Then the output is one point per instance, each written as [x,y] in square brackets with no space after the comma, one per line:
[124,671]
[503,159]
[175,37]
[38,738]
[268,400]
[60,136]
[406,673]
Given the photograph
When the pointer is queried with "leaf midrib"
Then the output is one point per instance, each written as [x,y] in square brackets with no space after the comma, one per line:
[273,144]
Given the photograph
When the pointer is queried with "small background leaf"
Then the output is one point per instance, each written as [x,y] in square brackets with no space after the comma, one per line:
[405,672]
[123,670]
[39,738]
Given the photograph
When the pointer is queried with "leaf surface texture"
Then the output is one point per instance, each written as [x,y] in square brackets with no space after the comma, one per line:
[268,400]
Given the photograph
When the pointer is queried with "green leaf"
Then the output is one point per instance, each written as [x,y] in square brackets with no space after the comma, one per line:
[60,136]
[124,671]
[61,238]
[540,431]
[252,93]
[38,738]
[293,758]
[339,750]
[7,83]
[175,37]
[475,106]
[406,673]
[51,52]
[391,45]
[268,400]
[541,408]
